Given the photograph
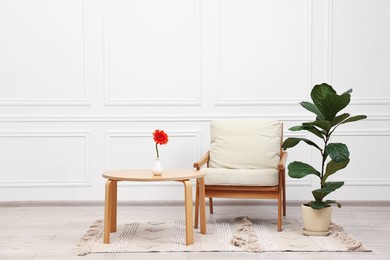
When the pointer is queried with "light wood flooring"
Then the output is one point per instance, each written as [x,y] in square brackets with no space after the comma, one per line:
[42,230]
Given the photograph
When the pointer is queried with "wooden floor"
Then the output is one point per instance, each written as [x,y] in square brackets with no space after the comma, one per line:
[49,231]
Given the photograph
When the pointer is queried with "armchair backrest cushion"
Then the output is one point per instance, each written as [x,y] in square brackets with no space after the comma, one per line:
[245,144]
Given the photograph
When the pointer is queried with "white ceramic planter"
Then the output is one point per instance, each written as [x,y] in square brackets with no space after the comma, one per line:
[316,222]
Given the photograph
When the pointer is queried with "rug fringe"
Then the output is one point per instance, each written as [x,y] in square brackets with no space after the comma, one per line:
[85,244]
[349,241]
[245,236]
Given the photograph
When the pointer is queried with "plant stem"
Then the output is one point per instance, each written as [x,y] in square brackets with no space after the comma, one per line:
[157,151]
[324,155]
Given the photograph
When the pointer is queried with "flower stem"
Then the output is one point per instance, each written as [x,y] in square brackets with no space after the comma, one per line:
[157,151]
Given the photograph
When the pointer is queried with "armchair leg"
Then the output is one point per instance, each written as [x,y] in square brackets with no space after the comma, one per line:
[284,203]
[280,212]
[211,205]
[284,196]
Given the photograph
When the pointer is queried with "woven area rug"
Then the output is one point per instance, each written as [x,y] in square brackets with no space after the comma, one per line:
[223,235]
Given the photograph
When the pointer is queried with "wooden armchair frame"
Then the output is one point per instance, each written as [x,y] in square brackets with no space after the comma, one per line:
[250,192]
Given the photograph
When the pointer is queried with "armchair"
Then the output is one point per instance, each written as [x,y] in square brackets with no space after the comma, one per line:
[245,160]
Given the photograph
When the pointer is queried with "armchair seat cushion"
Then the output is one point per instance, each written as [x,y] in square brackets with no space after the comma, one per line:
[238,177]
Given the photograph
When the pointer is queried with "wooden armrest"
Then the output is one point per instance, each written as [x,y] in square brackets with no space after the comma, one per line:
[202,161]
[282,162]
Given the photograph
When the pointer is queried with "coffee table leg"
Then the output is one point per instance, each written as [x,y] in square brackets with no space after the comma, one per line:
[114,188]
[108,212]
[196,204]
[202,201]
[188,212]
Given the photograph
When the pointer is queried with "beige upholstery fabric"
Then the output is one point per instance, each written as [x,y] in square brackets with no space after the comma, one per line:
[234,177]
[244,153]
[245,144]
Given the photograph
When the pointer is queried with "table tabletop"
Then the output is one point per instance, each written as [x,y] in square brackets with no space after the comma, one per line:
[147,175]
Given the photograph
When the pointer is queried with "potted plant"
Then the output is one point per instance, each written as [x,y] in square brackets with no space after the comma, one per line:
[334,156]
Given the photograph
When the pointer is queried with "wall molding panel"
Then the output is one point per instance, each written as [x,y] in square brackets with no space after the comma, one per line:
[82,179]
[13,75]
[375,100]
[193,99]
[264,101]
[374,158]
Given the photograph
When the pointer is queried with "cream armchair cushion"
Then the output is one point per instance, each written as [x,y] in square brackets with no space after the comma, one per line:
[245,144]
[233,177]
[244,153]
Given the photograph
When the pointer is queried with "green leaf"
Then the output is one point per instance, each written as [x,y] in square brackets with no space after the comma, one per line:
[339,119]
[320,92]
[293,141]
[328,102]
[312,108]
[329,202]
[333,167]
[309,128]
[333,104]
[318,95]
[317,204]
[337,151]
[349,91]
[323,124]
[329,187]
[297,128]
[333,185]
[290,142]
[318,195]
[322,204]
[354,118]
[299,170]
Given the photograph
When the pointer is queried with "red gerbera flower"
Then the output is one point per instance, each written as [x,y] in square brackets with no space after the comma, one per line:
[160,137]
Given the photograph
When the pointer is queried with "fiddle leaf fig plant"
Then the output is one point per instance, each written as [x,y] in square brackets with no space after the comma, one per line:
[334,156]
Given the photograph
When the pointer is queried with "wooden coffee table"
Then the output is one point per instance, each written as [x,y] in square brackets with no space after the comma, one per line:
[145,175]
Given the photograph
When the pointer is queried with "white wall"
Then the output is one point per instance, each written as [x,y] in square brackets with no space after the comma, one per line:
[83,83]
